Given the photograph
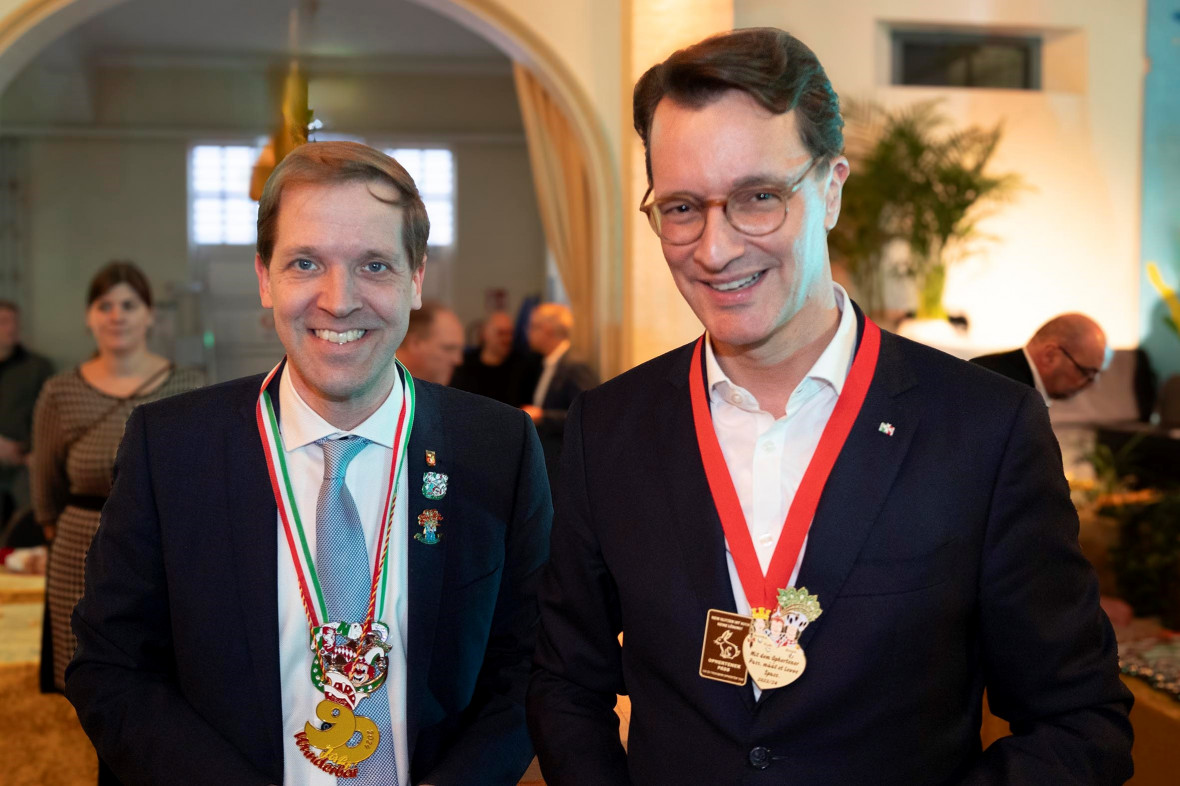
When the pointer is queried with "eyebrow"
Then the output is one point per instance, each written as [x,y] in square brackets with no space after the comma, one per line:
[757,179]
[311,251]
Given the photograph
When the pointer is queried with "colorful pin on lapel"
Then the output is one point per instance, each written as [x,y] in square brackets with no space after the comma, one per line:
[428,520]
[431,458]
[886,428]
[434,485]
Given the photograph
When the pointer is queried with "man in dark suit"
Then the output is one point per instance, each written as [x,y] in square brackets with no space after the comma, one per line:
[562,377]
[1062,359]
[869,531]
[243,616]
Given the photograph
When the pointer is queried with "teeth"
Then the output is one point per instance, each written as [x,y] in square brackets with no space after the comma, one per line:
[731,286]
[339,338]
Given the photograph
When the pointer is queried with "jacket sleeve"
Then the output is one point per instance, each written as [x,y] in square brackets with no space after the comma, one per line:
[122,678]
[578,670]
[1050,660]
[494,746]
[579,377]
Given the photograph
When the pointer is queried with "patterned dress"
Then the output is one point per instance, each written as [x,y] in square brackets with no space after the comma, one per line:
[76,432]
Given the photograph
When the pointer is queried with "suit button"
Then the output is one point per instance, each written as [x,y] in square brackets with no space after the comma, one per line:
[760,758]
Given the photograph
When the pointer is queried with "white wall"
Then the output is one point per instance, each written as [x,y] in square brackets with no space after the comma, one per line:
[1072,242]
[96,198]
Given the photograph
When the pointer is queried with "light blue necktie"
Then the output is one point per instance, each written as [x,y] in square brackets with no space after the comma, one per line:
[344,568]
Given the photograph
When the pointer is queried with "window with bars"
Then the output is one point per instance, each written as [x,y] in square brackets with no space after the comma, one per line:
[433,170]
[221,210]
[966,59]
[222,213]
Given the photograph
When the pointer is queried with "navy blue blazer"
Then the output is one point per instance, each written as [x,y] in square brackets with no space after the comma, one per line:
[176,676]
[944,555]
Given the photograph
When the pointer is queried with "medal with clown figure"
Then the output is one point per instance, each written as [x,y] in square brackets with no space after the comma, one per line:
[350,659]
[771,647]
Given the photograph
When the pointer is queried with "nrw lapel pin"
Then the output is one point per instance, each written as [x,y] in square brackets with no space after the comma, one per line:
[886,428]
[431,458]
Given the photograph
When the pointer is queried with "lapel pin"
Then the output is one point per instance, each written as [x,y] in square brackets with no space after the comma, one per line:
[428,520]
[434,485]
[886,428]
[431,458]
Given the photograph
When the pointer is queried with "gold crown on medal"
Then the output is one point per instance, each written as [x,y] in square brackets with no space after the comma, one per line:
[760,613]
[791,600]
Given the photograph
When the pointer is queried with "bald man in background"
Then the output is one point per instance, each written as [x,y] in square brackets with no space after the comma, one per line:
[1062,359]
[562,377]
[433,345]
[494,368]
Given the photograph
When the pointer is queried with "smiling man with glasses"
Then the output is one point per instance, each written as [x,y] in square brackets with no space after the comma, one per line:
[819,541]
[1062,359]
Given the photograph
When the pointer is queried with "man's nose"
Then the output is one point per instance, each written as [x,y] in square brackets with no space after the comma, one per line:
[339,293]
[719,243]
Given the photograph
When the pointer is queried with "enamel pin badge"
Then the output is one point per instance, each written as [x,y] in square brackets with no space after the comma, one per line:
[431,458]
[428,520]
[434,485]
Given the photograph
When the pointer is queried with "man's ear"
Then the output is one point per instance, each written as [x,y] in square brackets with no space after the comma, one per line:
[262,270]
[418,277]
[838,171]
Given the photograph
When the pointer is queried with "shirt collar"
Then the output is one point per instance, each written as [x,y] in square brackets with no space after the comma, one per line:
[831,367]
[301,425]
[1038,383]
[557,353]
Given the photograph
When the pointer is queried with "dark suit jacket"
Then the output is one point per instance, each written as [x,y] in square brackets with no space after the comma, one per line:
[176,677]
[570,378]
[1011,364]
[945,558]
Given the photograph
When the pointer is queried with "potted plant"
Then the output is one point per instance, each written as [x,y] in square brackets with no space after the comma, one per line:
[915,181]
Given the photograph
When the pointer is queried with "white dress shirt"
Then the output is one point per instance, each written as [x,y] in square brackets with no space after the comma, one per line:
[367,479]
[1038,383]
[767,455]
[549,368]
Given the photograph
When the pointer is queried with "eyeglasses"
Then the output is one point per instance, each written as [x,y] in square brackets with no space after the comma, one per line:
[753,210]
[1089,372]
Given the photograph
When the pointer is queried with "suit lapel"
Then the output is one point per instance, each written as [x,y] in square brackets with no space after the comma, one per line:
[860,481]
[426,560]
[696,526]
[254,541]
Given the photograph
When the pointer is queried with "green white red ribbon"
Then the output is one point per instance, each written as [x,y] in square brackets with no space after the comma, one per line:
[310,591]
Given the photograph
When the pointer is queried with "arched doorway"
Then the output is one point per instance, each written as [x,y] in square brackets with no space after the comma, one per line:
[29,27]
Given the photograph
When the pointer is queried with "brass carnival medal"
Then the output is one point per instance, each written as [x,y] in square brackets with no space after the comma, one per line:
[350,658]
[768,640]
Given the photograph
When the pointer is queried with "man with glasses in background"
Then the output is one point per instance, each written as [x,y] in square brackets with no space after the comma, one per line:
[1062,359]
[819,541]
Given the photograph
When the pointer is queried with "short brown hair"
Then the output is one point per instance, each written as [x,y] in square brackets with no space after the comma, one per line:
[771,66]
[335,163]
[119,271]
[422,319]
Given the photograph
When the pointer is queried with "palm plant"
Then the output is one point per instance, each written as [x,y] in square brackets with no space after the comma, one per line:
[915,182]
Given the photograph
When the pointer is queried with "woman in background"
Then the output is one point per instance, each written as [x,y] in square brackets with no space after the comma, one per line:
[77,426]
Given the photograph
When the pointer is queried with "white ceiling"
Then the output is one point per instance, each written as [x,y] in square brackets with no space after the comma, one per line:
[369,29]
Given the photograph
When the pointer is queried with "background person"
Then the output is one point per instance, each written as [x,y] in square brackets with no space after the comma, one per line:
[22,373]
[433,345]
[1062,358]
[77,426]
[562,377]
[494,368]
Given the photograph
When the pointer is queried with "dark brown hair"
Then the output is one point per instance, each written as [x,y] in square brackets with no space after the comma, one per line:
[771,66]
[119,271]
[336,163]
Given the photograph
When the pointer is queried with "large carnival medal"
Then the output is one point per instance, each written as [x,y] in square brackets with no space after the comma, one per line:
[771,647]
[349,664]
